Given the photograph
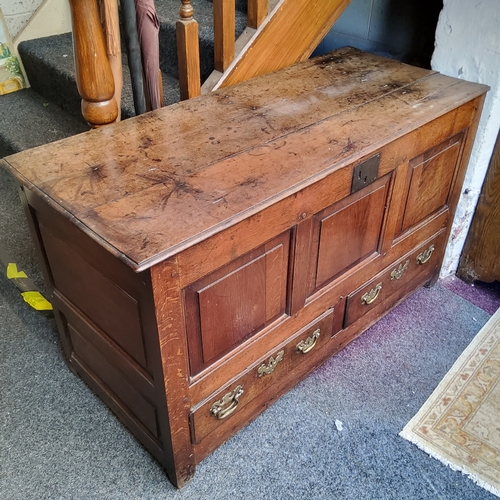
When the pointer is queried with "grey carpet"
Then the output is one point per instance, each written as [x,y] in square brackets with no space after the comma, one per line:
[15,239]
[58,441]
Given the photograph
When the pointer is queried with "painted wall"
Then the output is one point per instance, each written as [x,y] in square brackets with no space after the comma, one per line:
[17,13]
[51,18]
[403,30]
[468,47]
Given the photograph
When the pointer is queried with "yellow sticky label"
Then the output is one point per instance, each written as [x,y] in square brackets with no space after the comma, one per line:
[12,272]
[37,301]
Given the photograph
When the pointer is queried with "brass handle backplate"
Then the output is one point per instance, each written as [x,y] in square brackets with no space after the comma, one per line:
[228,404]
[423,257]
[268,368]
[304,346]
[399,271]
[372,295]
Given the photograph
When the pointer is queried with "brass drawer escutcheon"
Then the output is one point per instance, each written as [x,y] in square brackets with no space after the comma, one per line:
[231,399]
[398,272]
[304,346]
[372,295]
[268,368]
[423,257]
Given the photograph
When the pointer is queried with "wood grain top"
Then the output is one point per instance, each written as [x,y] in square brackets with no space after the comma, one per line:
[151,186]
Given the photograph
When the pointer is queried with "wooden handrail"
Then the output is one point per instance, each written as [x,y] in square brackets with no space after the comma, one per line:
[94,77]
[224,24]
[188,52]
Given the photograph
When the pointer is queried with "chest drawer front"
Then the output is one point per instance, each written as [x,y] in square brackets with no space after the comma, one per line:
[233,303]
[422,260]
[217,409]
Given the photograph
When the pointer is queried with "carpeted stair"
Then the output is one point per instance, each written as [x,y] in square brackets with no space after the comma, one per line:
[50,109]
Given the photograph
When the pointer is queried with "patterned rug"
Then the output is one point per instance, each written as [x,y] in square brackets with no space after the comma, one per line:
[460,422]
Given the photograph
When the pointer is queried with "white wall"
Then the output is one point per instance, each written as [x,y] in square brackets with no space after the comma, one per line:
[468,47]
[29,19]
[17,13]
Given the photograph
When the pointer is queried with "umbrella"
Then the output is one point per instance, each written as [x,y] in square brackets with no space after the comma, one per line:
[129,21]
[148,27]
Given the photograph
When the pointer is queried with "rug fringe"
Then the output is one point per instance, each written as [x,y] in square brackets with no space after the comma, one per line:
[407,434]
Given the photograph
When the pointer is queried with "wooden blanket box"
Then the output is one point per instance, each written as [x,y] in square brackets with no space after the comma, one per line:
[204,258]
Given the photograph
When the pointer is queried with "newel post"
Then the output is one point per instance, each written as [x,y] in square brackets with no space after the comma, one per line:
[94,77]
[188,52]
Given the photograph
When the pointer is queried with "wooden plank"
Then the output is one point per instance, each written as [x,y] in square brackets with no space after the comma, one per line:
[224,194]
[480,259]
[224,33]
[173,350]
[137,151]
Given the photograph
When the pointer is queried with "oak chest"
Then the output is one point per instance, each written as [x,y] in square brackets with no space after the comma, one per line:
[204,258]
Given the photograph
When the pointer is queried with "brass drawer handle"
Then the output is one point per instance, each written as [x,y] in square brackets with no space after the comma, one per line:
[231,399]
[268,368]
[423,257]
[397,273]
[372,295]
[304,346]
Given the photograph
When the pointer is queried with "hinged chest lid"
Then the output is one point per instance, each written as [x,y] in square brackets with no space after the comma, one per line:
[152,186]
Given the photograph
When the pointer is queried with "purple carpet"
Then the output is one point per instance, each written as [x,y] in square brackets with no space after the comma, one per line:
[483,295]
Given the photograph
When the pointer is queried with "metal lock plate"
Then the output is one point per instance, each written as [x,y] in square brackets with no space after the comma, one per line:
[365,173]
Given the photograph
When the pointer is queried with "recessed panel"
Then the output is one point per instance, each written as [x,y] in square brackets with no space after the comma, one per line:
[430,184]
[108,376]
[241,302]
[237,301]
[350,231]
[100,300]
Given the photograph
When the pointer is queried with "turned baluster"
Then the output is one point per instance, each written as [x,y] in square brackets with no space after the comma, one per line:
[224,19]
[257,12]
[188,52]
[94,77]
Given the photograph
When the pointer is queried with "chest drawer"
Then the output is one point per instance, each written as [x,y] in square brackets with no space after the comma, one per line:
[422,260]
[218,408]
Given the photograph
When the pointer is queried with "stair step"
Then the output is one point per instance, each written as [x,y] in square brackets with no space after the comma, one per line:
[28,120]
[51,71]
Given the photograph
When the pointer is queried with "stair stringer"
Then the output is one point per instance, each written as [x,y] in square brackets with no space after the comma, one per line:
[289,34]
